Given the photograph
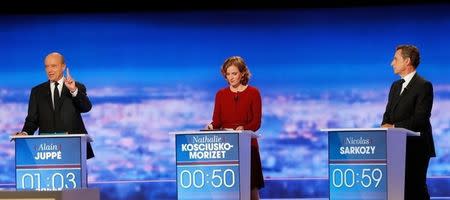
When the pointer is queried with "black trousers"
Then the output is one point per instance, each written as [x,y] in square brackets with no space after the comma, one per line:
[416,175]
[256,175]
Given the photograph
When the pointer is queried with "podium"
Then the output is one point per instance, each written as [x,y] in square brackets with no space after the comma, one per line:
[213,165]
[367,163]
[51,162]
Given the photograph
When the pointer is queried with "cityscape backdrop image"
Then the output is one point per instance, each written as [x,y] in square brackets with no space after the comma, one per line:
[148,74]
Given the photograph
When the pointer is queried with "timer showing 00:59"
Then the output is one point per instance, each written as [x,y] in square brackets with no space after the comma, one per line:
[48,182]
[366,177]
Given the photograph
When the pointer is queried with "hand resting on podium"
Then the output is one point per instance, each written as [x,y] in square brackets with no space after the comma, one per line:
[210,127]
[21,133]
[387,126]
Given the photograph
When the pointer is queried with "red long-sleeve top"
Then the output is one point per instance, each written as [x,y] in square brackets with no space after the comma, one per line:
[233,109]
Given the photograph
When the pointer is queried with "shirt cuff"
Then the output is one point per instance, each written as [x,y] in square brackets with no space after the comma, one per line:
[74,94]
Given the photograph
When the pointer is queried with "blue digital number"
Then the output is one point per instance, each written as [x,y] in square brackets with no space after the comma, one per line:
[219,178]
[357,182]
[208,182]
[47,180]
[347,177]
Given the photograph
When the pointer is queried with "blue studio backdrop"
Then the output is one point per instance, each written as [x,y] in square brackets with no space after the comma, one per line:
[148,74]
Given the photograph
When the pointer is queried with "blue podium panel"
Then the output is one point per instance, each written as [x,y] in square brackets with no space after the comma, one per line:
[358,165]
[43,164]
[208,166]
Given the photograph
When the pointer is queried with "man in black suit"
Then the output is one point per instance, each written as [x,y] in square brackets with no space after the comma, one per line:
[55,106]
[409,106]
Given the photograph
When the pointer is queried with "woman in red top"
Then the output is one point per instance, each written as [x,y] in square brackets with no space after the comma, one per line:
[238,107]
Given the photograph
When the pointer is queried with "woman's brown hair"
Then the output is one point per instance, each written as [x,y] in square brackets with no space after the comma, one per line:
[240,64]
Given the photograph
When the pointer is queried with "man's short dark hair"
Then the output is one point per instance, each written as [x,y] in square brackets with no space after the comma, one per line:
[411,52]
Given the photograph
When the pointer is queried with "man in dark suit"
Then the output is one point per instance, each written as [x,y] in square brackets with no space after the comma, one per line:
[409,106]
[55,106]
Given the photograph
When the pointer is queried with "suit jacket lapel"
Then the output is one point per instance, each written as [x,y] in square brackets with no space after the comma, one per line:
[49,96]
[405,91]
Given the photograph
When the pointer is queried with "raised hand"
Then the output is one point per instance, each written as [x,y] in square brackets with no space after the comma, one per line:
[69,82]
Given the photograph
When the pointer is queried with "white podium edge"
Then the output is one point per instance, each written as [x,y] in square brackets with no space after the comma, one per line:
[194,132]
[88,138]
[409,132]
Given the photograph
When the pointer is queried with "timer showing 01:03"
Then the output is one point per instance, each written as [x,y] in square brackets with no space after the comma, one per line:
[53,181]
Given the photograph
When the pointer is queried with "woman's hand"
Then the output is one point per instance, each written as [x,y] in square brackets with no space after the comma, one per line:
[209,127]
[20,133]
[387,126]
[240,128]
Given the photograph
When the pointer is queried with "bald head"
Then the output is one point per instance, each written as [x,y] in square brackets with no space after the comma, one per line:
[54,66]
[57,56]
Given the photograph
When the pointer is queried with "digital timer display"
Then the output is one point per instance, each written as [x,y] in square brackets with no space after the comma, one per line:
[358,181]
[214,179]
[48,180]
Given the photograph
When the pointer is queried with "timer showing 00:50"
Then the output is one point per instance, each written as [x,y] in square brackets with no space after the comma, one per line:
[198,178]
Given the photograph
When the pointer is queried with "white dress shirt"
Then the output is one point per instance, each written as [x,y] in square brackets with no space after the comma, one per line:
[60,86]
[52,89]
[407,79]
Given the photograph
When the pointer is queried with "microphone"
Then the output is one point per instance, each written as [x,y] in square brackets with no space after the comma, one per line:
[236,96]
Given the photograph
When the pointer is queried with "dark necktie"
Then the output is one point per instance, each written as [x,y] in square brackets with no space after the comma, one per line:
[55,95]
[401,85]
